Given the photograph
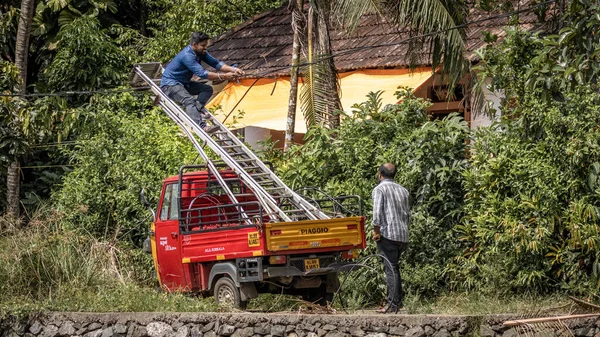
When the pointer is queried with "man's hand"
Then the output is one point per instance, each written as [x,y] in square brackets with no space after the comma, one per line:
[376,236]
[232,76]
[238,71]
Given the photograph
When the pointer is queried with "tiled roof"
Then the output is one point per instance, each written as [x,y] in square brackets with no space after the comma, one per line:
[263,44]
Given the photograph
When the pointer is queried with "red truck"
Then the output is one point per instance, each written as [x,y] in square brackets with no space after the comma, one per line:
[202,242]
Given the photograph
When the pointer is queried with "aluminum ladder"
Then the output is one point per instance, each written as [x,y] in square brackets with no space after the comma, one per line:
[280,203]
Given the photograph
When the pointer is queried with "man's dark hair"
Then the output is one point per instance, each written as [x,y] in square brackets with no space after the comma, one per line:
[387,170]
[198,37]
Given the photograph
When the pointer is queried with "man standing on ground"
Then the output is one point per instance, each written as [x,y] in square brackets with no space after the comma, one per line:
[391,215]
[177,84]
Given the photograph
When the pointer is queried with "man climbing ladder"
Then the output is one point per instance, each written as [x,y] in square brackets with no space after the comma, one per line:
[177,84]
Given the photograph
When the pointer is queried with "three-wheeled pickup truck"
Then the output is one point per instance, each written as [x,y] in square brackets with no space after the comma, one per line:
[202,242]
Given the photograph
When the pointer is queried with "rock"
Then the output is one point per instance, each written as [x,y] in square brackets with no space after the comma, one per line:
[120,329]
[182,331]
[442,333]
[383,329]
[136,331]
[510,333]
[95,333]
[278,330]
[210,334]
[50,331]
[307,327]
[226,330]
[289,328]
[94,326]
[321,332]
[196,331]
[356,331]
[329,327]
[262,329]
[243,332]
[335,333]
[35,328]
[66,329]
[415,332]
[208,327]
[486,331]
[429,330]
[158,329]
[311,334]
[398,330]
[379,334]
[499,327]
[108,332]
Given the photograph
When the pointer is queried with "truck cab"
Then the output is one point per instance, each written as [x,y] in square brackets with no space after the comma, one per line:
[203,242]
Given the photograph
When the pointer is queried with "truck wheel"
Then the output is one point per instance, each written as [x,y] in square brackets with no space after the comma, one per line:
[228,295]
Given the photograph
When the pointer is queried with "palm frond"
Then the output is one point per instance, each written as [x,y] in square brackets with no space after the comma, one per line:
[318,98]
[349,12]
[443,20]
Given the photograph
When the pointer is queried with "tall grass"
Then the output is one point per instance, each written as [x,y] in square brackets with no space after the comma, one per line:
[44,265]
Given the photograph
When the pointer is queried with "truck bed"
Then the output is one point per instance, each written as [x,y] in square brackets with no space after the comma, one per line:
[315,234]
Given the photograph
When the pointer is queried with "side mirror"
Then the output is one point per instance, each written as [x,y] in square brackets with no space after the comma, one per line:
[147,204]
[143,198]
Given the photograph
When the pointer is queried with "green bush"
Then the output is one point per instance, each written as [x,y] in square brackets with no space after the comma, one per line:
[127,147]
[430,157]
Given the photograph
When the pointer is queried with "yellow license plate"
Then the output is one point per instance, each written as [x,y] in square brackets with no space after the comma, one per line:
[311,264]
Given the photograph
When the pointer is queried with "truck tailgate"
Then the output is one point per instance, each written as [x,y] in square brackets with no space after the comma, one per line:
[313,234]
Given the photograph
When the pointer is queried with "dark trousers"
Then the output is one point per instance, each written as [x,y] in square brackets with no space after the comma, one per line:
[392,250]
[185,96]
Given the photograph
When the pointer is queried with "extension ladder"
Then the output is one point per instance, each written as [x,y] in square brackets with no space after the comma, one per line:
[281,204]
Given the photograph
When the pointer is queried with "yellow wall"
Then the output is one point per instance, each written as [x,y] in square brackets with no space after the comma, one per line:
[266,103]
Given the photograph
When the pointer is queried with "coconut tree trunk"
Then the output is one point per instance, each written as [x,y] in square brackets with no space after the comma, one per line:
[13,183]
[13,179]
[297,26]
[22,43]
[329,81]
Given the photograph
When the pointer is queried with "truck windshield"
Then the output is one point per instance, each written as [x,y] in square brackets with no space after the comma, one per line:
[169,209]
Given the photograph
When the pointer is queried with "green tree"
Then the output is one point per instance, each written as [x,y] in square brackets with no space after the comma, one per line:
[86,59]
[127,145]
[430,157]
[531,212]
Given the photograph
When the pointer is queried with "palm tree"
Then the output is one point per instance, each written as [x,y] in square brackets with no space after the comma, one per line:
[320,98]
[298,24]
[13,181]
[435,26]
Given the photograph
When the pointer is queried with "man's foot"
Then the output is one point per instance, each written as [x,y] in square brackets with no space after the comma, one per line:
[391,309]
[210,128]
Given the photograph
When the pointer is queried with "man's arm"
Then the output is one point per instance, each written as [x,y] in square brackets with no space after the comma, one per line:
[220,65]
[377,209]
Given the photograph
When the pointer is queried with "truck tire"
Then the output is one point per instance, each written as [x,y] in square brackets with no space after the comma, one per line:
[227,294]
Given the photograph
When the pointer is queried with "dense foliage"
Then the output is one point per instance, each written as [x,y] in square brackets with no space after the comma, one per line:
[128,145]
[430,157]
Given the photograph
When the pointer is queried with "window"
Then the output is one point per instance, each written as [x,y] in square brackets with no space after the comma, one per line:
[169,210]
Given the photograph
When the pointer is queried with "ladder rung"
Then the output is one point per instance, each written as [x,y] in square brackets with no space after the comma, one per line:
[231,147]
[274,188]
[254,175]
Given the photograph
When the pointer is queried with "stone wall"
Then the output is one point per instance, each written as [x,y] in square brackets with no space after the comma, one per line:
[268,325]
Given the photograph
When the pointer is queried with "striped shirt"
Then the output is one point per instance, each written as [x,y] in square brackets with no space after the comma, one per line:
[391,212]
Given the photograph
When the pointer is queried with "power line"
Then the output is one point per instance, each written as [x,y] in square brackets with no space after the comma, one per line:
[77,92]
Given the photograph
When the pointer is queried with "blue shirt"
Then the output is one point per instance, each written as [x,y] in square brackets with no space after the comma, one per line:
[186,64]
[391,212]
